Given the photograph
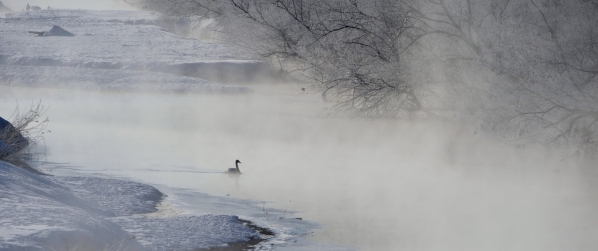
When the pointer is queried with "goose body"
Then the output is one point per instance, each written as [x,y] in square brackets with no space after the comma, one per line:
[235,170]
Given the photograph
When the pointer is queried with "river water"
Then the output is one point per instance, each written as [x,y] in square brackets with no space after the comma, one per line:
[379,184]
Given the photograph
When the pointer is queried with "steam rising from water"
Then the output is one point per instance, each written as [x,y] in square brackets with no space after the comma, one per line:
[373,184]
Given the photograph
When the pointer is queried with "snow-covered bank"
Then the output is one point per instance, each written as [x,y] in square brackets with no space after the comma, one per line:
[40,214]
[86,213]
[120,40]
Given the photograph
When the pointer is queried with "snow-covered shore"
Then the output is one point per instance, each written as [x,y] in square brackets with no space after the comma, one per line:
[66,213]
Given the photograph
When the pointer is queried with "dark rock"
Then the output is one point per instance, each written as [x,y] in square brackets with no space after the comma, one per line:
[58,31]
[55,31]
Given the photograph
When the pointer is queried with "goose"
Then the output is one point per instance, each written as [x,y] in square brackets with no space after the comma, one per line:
[235,170]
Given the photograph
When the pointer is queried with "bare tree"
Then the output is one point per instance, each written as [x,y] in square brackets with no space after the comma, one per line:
[557,80]
[354,51]
[525,69]
[532,63]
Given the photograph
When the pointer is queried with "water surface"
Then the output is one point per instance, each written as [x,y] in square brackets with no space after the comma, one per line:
[379,184]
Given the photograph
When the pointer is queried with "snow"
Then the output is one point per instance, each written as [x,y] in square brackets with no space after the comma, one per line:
[63,212]
[45,212]
[187,232]
[120,40]
[37,212]
[117,196]
[105,37]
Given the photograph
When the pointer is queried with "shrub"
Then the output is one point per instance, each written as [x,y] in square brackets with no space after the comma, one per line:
[20,139]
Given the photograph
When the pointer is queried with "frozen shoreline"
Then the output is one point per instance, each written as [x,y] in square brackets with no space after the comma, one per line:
[110,212]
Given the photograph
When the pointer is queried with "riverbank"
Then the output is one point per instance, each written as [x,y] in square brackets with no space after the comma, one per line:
[64,212]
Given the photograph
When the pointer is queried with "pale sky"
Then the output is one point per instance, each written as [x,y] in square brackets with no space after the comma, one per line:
[17,5]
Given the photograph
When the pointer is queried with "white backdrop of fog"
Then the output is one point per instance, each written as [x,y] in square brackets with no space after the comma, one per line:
[19,5]
[373,184]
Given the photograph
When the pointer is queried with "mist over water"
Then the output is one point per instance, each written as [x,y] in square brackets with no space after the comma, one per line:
[372,184]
